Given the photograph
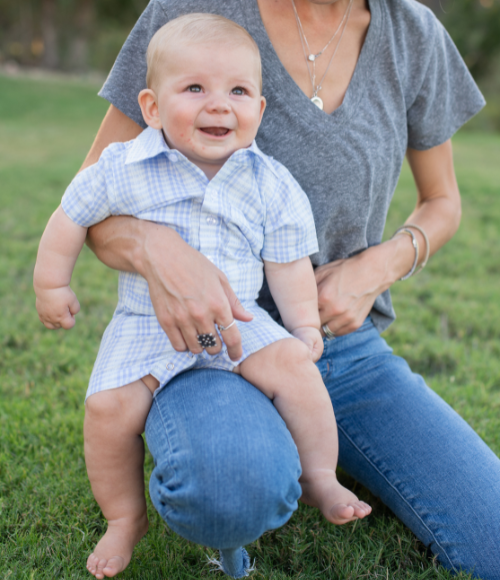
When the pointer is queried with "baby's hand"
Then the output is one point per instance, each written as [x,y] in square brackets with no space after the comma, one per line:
[57,307]
[312,338]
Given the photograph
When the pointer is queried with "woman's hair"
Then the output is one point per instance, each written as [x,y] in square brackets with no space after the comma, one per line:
[196,28]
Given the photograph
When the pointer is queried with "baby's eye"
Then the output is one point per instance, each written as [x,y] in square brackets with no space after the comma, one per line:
[194,88]
[238,91]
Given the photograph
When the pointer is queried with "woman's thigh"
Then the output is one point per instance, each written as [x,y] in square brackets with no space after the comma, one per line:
[226,468]
[411,449]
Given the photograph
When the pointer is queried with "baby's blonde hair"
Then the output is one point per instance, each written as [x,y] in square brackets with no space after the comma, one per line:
[196,28]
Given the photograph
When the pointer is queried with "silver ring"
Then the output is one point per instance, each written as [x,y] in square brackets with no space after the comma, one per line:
[328,333]
[207,340]
[222,328]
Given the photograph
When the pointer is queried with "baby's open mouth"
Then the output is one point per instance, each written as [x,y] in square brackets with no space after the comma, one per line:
[216,131]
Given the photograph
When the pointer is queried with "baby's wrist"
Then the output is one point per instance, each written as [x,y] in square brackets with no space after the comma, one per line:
[305,328]
[42,288]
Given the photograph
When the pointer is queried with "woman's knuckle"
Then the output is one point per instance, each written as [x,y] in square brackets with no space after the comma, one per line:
[197,315]
[180,318]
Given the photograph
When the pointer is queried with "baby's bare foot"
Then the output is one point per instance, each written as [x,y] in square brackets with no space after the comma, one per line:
[321,489]
[114,550]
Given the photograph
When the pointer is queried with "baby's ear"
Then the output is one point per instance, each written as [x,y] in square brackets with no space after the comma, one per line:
[149,107]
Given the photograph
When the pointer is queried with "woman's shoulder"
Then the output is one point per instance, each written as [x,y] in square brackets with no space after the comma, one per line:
[414,38]
[412,28]
[411,19]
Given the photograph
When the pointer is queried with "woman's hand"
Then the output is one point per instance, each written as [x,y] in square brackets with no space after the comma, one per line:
[348,288]
[189,294]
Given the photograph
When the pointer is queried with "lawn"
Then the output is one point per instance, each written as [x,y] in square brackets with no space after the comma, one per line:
[447,328]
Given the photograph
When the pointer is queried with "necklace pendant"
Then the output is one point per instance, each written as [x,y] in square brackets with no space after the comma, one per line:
[311,57]
[318,102]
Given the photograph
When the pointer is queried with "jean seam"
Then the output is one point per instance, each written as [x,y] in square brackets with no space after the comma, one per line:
[399,493]
[170,449]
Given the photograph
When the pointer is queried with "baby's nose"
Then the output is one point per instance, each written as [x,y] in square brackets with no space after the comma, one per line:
[219,105]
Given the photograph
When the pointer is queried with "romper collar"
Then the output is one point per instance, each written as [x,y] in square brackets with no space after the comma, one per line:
[150,143]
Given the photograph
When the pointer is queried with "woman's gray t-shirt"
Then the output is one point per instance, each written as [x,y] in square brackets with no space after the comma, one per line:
[410,88]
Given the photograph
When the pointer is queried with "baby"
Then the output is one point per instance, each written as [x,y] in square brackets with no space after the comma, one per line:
[196,169]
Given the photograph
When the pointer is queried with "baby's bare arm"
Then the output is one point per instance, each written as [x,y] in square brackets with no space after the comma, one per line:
[293,287]
[59,247]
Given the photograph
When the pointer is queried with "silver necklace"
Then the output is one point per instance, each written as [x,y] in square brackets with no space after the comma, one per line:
[311,57]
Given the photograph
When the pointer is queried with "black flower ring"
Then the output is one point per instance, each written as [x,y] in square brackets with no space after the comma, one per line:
[207,340]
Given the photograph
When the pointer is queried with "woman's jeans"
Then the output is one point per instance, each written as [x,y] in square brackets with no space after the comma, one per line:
[226,468]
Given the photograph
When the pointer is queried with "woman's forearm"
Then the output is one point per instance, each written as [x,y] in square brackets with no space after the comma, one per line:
[437,212]
[122,242]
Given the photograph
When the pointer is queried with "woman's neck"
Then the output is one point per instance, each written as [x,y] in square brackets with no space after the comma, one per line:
[317,13]
[319,20]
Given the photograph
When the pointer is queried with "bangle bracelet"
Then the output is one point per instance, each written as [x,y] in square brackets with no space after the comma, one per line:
[427,245]
[414,242]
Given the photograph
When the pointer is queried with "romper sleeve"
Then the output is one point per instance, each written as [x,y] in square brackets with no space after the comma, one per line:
[289,231]
[86,201]
[446,95]
[128,75]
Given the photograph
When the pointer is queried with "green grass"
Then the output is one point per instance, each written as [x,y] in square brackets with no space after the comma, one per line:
[447,329]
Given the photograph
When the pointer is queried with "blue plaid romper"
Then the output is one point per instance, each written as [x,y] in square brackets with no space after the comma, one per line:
[252,210]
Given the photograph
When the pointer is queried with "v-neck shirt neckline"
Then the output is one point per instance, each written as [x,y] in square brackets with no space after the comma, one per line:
[297,98]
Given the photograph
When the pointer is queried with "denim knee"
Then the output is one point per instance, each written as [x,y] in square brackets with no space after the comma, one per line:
[226,473]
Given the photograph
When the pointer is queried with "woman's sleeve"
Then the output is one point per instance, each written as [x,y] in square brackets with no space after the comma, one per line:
[445,98]
[128,75]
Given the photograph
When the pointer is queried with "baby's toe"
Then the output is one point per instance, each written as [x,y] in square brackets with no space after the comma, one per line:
[101,564]
[361,509]
[114,566]
[341,513]
[92,562]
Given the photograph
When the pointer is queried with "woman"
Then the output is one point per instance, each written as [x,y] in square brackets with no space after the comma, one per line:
[391,83]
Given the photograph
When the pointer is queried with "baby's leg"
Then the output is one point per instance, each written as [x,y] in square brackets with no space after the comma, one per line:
[114,454]
[285,373]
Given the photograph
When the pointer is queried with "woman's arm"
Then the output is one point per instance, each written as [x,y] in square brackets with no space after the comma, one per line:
[348,288]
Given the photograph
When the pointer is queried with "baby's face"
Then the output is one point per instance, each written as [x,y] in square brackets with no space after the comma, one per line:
[209,101]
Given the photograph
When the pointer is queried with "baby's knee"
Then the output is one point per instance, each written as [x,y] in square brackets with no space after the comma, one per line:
[103,405]
[129,404]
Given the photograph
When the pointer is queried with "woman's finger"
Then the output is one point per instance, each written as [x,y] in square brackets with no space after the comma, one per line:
[207,334]
[177,340]
[232,340]
[190,336]
[237,309]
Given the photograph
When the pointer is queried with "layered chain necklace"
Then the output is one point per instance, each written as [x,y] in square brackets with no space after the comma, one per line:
[311,57]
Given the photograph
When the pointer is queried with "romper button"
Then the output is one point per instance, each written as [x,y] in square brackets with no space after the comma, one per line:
[170,366]
[190,354]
